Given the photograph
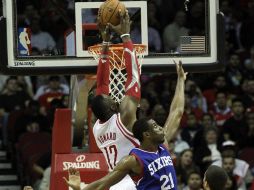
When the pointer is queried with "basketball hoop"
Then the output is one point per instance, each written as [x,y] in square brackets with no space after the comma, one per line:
[118,73]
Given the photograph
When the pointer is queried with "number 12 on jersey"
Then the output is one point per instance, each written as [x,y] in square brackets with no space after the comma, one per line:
[111,153]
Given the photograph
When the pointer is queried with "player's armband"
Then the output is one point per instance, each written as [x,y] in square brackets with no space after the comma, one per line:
[132,85]
[103,75]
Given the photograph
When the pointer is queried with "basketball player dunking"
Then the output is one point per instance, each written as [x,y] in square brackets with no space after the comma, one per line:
[112,130]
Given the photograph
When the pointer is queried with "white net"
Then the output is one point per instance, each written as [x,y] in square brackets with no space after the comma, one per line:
[118,73]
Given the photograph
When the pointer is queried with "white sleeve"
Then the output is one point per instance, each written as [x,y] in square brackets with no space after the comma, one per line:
[39,92]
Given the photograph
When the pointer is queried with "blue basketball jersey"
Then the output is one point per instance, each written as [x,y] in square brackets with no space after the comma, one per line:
[158,170]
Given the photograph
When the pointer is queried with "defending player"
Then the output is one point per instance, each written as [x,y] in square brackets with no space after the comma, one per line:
[150,165]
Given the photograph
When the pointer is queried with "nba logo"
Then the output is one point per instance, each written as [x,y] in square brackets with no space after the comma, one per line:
[24,39]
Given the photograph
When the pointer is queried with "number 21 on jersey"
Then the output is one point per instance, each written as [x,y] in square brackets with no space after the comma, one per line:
[167,181]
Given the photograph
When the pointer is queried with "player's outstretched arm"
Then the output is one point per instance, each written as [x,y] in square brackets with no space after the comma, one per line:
[103,66]
[127,165]
[177,105]
[128,106]
[85,85]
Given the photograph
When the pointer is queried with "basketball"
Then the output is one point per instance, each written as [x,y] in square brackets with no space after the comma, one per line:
[109,12]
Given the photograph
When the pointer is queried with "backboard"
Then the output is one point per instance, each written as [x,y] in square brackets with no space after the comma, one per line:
[71,29]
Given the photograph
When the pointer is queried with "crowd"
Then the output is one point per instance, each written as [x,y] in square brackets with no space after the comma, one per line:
[218,122]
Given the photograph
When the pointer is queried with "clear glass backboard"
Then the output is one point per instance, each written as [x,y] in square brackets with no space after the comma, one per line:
[54,39]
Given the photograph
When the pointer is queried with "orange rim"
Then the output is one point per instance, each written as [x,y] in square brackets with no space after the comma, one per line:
[116,48]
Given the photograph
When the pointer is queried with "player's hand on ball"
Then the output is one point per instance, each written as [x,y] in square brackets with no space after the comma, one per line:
[124,26]
[104,31]
[105,34]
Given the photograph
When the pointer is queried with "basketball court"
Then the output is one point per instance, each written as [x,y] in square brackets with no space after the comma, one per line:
[199,52]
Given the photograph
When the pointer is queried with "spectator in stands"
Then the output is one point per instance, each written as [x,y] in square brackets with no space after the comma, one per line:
[173,32]
[194,181]
[235,128]
[54,89]
[241,177]
[219,84]
[208,151]
[234,72]
[41,39]
[188,133]
[206,123]
[24,83]
[12,97]
[221,110]
[184,165]
[228,164]
[248,97]
[240,167]
[197,98]
[33,127]
[208,120]
[31,113]
[189,109]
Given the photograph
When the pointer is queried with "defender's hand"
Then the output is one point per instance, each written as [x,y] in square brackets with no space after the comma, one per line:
[180,71]
[74,179]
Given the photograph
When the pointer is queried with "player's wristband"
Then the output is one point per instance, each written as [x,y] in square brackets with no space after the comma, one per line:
[123,35]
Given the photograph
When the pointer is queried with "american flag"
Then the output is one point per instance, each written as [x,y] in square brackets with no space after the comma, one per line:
[195,44]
